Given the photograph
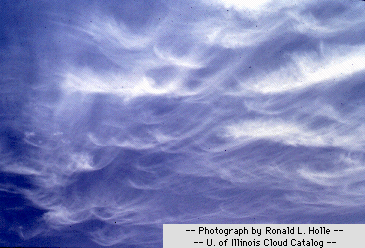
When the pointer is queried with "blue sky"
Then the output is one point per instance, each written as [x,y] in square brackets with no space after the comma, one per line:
[120,116]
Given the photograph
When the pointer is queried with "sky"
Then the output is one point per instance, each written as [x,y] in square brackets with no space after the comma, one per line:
[117,117]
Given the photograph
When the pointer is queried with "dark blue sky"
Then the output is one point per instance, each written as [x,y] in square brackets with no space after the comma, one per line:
[117,117]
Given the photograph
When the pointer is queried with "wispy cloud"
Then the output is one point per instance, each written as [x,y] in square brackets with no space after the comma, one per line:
[119,116]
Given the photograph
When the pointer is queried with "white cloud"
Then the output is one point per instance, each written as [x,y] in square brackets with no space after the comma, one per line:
[243,4]
[295,134]
[332,64]
[87,81]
